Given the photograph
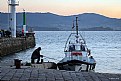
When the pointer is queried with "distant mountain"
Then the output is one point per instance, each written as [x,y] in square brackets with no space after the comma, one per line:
[49,21]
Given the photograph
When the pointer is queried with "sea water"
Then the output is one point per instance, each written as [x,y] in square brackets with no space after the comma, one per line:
[105,47]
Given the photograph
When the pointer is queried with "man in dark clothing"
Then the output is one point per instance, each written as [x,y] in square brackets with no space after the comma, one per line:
[36,55]
[7,33]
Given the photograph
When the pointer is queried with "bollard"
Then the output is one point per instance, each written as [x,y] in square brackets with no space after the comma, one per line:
[15,60]
[17,63]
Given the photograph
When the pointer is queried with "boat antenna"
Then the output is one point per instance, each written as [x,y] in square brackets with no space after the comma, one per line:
[77,26]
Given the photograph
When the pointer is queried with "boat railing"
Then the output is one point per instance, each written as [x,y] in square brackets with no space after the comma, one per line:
[65,49]
[67,42]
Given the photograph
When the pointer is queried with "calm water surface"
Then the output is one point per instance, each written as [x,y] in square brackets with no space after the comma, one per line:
[105,47]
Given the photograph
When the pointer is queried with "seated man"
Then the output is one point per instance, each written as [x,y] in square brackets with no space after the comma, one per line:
[36,55]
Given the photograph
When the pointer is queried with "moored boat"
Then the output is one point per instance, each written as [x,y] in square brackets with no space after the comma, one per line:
[77,56]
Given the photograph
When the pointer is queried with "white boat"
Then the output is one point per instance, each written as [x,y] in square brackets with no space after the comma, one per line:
[77,56]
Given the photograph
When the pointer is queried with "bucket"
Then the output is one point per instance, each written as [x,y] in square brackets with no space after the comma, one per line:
[41,60]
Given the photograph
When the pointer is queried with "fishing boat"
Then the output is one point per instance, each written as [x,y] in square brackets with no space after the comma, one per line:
[77,56]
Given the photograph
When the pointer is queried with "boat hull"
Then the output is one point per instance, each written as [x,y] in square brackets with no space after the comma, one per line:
[76,65]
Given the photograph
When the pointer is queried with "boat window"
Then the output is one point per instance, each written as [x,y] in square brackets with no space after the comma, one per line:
[77,47]
[71,47]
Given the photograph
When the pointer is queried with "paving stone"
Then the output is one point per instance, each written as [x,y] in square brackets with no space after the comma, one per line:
[36,74]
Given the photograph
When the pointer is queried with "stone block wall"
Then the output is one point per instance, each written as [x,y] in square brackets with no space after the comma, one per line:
[13,45]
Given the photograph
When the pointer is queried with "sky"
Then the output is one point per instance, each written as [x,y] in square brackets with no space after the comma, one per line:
[109,8]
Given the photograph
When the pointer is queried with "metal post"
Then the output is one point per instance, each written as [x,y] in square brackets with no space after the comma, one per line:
[24,22]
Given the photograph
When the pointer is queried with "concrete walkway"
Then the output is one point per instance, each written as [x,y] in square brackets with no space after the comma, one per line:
[36,74]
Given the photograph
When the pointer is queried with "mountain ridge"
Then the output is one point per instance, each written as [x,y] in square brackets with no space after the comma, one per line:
[50,21]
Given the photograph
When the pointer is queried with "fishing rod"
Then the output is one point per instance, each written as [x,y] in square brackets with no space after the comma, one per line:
[50,58]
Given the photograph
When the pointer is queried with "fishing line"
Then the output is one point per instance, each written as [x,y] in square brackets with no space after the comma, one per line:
[51,58]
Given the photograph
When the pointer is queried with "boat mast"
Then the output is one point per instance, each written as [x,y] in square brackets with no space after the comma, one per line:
[77,26]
